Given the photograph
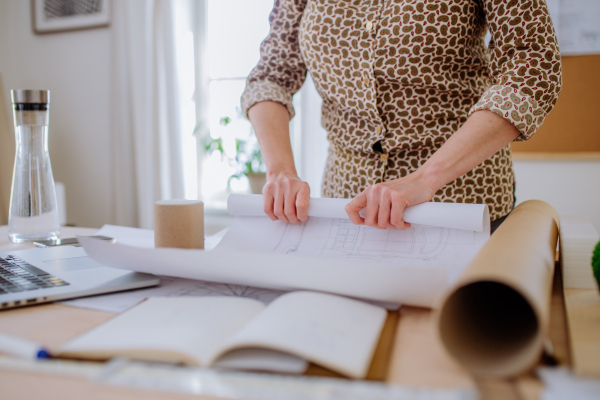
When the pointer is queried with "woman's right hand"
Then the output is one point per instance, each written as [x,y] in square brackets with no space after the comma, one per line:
[286,198]
[285,195]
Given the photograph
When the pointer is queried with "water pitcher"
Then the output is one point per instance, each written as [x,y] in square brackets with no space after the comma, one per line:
[33,211]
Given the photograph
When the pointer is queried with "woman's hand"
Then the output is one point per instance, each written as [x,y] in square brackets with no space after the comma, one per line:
[285,195]
[385,202]
[286,198]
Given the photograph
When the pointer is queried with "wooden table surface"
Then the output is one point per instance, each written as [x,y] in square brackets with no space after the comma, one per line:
[418,358]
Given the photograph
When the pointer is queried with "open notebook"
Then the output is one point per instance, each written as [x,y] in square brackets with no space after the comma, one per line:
[334,332]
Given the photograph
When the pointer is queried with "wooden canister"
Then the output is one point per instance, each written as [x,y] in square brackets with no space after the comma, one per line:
[179,223]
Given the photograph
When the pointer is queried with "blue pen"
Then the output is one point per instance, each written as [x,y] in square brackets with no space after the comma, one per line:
[22,348]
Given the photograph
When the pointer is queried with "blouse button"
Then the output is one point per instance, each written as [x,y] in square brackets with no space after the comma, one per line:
[378,130]
[367,82]
[383,157]
[369,26]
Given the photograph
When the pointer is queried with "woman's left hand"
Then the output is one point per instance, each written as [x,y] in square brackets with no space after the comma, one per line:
[385,202]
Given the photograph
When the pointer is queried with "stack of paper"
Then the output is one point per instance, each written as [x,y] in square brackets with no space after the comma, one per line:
[578,238]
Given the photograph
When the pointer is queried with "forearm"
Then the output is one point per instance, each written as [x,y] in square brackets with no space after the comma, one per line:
[483,135]
[271,124]
[285,195]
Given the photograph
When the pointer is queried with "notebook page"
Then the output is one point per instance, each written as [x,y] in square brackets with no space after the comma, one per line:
[261,360]
[162,328]
[335,332]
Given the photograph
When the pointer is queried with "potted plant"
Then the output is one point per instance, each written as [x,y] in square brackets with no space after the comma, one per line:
[248,160]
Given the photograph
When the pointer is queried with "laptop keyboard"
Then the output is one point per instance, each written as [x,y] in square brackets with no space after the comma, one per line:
[17,275]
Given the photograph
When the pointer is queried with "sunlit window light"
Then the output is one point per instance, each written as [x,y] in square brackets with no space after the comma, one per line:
[184,50]
[231,57]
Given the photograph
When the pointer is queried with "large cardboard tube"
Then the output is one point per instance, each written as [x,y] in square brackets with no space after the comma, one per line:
[495,318]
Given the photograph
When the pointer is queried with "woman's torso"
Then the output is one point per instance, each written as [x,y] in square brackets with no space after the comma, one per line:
[408,67]
[397,78]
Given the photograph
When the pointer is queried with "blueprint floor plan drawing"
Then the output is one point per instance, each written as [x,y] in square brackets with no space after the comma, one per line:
[329,237]
[422,245]
[327,253]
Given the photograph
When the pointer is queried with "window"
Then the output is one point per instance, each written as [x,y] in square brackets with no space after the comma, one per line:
[227,36]
[233,32]
[185,64]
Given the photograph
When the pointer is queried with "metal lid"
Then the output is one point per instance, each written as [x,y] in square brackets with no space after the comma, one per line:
[27,96]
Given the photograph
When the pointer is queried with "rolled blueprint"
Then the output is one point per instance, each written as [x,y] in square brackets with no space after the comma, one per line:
[471,217]
[179,223]
[495,318]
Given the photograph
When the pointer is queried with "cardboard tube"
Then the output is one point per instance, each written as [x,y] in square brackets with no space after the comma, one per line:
[495,318]
[179,223]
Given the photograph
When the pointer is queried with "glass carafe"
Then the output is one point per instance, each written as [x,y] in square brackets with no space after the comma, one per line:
[33,211]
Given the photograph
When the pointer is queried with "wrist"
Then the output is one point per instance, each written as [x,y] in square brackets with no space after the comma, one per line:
[431,176]
[276,174]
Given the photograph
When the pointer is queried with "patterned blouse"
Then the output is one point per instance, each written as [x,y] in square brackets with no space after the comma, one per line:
[398,77]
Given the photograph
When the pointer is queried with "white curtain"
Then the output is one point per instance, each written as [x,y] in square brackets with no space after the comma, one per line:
[146,128]
[7,156]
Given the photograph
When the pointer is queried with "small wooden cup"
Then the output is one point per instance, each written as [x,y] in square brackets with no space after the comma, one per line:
[179,223]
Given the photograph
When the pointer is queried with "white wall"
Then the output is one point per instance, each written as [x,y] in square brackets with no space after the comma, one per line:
[571,187]
[75,66]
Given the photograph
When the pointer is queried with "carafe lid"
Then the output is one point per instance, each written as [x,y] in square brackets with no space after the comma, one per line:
[28,96]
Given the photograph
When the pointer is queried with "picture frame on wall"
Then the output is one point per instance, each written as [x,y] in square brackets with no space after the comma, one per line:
[66,15]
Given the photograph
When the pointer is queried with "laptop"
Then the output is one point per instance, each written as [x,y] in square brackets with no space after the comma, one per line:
[43,275]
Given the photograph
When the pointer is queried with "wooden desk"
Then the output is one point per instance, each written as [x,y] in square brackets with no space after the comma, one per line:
[417,357]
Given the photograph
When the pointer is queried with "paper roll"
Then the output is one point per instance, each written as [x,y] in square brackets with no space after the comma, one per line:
[495,318]
[179,223]
[471,217]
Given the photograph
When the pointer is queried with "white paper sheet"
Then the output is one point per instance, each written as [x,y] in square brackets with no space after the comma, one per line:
[561,383]
[129,236]
[471,217]
[145,237]
[382,282]
[335,237]
[331,255]
[171,286]
[418,246]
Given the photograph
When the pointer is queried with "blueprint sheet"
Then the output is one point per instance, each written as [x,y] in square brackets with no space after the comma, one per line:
[419,246]
[414,266]
[171,286]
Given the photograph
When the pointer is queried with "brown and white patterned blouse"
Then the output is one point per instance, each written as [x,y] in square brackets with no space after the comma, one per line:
[398,77]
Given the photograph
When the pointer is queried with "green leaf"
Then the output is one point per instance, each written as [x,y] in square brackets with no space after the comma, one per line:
[248,167]
[596,263]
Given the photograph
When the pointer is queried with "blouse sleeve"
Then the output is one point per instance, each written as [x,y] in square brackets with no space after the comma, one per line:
[525,64]
[280,72]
